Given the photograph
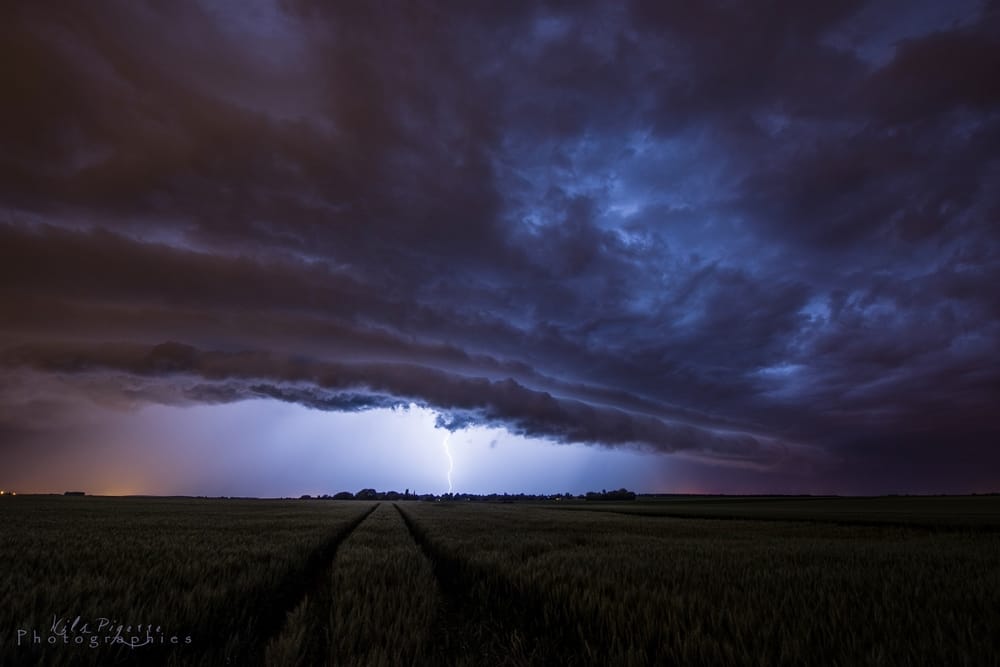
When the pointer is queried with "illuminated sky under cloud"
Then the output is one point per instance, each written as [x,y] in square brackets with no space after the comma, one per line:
[675,246]
[267,448]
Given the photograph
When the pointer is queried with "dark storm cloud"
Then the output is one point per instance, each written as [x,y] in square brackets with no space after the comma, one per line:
[739,230]
[462,400]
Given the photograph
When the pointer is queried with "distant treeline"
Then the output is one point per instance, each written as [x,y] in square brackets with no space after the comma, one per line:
[372,494]
[620,494]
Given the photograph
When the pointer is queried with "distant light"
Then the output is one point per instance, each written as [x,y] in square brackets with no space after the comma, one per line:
[2,492]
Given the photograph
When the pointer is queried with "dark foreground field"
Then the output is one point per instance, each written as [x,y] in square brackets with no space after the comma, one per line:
[671,581]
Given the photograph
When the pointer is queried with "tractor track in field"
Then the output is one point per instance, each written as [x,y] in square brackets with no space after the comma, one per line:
[457,636]
[312,581]
[484,621]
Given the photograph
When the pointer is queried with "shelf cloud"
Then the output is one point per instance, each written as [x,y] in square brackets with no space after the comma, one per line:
[762,236]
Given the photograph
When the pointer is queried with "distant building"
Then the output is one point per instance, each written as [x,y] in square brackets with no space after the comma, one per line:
[75,493]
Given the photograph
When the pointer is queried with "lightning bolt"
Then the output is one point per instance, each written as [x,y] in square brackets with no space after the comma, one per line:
[451,461]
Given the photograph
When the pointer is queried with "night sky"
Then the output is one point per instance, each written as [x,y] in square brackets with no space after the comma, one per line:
[286,246]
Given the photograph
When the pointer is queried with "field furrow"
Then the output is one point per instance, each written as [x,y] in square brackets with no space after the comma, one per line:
[294,640]
[375,606]
[215,576]
[472,628]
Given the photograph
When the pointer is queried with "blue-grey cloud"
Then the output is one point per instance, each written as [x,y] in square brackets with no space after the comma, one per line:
[662,222]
